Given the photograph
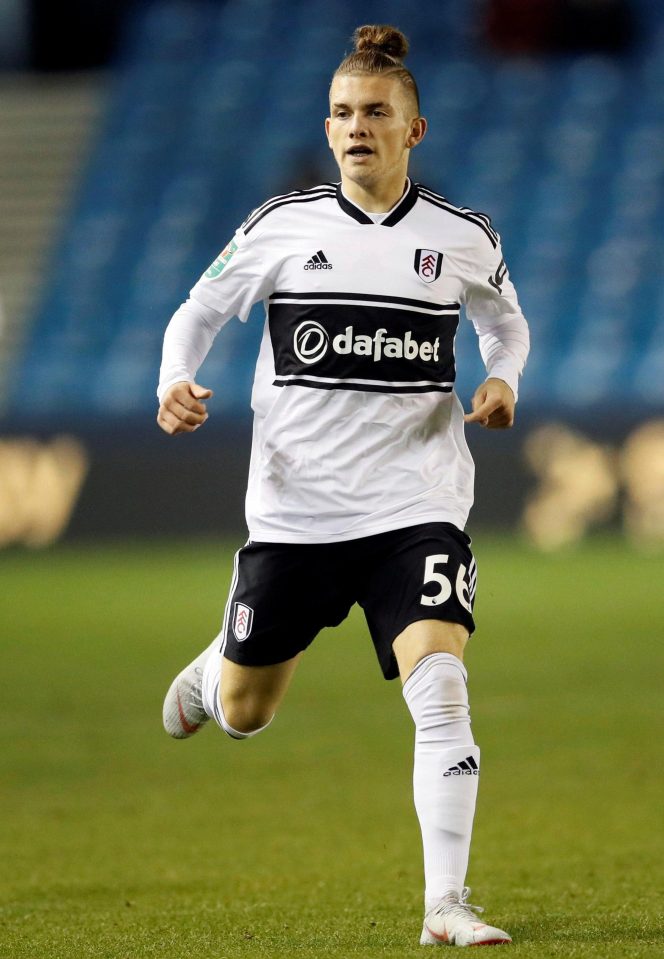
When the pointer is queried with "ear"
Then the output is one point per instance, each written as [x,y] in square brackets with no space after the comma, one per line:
[327,131]
[418,128]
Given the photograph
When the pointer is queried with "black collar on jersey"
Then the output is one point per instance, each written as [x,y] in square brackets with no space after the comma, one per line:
[404,206]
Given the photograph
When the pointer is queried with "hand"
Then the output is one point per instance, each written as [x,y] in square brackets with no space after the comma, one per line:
[181,410]
[493,405]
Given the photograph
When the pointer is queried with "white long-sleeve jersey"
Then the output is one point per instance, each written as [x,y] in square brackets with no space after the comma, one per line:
[357,428]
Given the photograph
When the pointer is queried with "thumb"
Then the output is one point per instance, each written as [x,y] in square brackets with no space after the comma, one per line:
[481,408]
[477,416]
[200,392]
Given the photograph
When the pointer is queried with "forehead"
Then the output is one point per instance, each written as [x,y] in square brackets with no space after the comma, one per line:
[360,88]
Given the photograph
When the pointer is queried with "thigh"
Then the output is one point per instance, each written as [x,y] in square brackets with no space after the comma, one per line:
[421,573]
[281,596]
[424,637]
[251,695]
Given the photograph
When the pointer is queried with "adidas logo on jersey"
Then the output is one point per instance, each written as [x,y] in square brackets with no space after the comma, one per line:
[467,767]
[318,262]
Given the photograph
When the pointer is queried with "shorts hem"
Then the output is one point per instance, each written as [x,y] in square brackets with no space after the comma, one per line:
[232,655]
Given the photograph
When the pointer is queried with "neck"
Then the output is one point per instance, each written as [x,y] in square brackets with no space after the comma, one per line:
[374,198]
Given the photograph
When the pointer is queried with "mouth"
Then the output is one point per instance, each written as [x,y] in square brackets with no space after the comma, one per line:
[359,152]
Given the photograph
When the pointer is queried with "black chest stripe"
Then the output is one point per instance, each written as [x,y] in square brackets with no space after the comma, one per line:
[363,344]
[378,298]
[363,386]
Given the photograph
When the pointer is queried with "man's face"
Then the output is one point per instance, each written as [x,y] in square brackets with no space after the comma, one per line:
[372,126]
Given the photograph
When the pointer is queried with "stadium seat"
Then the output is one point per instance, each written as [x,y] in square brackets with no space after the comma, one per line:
[215,107]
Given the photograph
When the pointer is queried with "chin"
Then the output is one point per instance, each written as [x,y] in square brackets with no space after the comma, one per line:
[362,178]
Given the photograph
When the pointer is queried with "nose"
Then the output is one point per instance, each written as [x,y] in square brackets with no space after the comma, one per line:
[357,127]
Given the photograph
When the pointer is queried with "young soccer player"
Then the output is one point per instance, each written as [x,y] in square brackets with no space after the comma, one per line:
[360,481]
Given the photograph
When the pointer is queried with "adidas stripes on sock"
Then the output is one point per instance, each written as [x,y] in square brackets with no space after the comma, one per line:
[212,699]
[446,770]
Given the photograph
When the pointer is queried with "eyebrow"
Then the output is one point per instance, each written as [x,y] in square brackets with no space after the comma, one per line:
[364,106]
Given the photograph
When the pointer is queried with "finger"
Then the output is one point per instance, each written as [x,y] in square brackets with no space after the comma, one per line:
[500,421]
[187,394]
[179,403]
[476,417]
[172,424]
[167,421]
[482,413]
[479,397]
[200,392]
[181,398]
[188,415]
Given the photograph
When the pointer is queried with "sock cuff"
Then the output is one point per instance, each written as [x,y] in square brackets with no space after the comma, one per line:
[425,666]
[235,733]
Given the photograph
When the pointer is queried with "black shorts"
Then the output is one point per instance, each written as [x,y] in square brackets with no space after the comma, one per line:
[283,594]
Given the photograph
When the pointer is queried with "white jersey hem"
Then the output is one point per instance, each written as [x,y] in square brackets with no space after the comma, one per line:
[257,535]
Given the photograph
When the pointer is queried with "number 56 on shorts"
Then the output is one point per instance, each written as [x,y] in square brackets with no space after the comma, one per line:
[436,573]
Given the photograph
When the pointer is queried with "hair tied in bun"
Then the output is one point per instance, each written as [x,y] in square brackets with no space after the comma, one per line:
[381,38]
[380,49]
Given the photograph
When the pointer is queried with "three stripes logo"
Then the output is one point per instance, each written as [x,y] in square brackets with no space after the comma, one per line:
[467,767]
[318,262]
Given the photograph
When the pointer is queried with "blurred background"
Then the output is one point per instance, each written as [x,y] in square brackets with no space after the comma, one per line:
[136,136]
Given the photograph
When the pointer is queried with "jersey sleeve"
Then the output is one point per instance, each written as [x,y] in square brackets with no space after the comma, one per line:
[187,342]
[230,286]
[237,279]
[493,308]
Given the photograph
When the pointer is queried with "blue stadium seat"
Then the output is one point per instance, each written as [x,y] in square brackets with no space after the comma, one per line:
[216,107]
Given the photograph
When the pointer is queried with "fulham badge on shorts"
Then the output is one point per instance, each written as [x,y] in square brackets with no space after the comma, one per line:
[428,264]
[243,618]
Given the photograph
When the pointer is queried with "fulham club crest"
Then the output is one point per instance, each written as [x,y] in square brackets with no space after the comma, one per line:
[428,264]
[243,617]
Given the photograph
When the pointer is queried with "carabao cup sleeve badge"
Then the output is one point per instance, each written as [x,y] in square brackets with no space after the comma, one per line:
[221,261]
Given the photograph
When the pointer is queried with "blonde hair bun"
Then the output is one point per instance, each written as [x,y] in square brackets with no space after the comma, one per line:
[383,38]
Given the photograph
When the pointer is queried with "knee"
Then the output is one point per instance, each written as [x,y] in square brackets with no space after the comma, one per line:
[426,638]
[245,714]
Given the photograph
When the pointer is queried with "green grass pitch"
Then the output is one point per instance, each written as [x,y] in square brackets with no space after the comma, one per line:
[119,843]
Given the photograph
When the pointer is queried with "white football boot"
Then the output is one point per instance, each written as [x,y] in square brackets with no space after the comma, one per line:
[183,711]
[453,923]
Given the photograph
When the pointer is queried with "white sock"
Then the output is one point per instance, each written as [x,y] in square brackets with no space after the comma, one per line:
[446,771]
[212,699]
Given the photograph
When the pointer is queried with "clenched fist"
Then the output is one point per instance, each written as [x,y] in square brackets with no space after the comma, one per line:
[493,405]
[181,409]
